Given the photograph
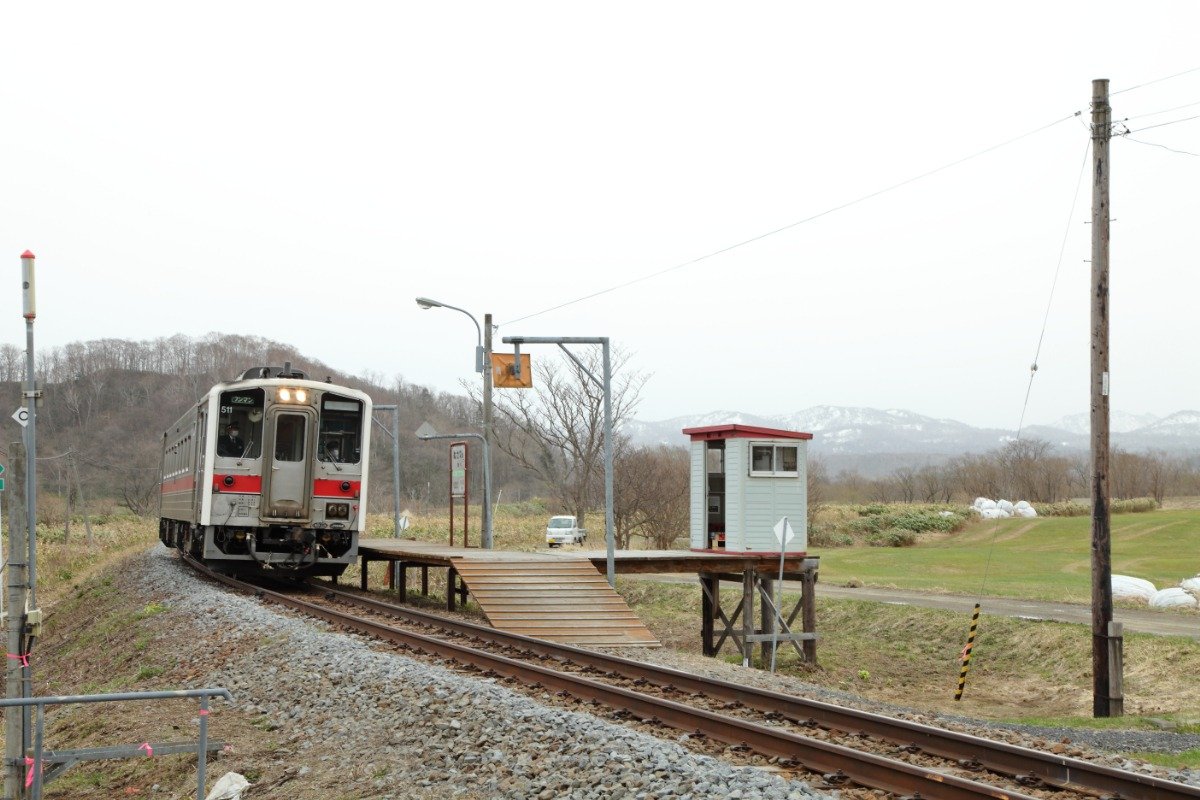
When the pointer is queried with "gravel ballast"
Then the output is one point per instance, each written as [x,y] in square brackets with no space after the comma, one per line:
[389,723]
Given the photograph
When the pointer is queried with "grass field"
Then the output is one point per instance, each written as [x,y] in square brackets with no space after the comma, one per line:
[1046,559]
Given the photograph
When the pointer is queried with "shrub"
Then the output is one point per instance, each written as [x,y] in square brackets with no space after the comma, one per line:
[822,536]
[894,537]
[1074,508]
[1135,505]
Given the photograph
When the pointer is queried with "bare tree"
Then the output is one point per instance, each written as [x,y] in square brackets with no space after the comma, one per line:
[651,494]
[556,430]
[817,481]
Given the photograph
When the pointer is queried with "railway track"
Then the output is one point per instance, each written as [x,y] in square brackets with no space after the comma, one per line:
[844,746]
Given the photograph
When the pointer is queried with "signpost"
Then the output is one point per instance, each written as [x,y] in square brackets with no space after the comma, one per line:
[785,534]
[458,486]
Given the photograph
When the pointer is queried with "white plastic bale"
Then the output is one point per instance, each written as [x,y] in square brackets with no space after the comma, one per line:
[1125,587]
[979,501]
[988,504]
[1191,585]
[229,787]
[1175,597]
[1027,512]
[1004,505]
[1022,504]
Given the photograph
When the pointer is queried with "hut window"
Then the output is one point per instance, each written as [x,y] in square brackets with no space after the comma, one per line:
[774,461]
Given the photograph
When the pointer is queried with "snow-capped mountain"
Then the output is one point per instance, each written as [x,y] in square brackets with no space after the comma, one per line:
[1118,422]
[852,431]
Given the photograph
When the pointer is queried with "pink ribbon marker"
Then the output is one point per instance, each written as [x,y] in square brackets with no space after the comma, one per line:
[149,750]
[29,775]
[204,712]
[22,657]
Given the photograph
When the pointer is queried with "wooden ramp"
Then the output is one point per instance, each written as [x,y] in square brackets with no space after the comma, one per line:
[561,599]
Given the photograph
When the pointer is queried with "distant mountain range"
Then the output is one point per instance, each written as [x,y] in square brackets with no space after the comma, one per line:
[849,431]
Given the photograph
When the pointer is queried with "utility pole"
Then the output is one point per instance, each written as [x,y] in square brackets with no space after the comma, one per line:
[488,533]
[21,563]
[1107,698]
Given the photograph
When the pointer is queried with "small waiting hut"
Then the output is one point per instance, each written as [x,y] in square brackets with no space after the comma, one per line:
[744,480]
[747,482]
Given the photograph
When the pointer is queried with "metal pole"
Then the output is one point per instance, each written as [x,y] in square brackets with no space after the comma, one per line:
[18,553]
[31,393]
[1102,604]
[202,763]
[487,431]
[778,623]
[396,465]
[609,541]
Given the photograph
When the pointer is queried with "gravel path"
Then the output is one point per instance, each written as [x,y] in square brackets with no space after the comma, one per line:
[387,723]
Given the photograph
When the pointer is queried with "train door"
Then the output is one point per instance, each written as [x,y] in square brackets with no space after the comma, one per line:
[288,460]
[198,487]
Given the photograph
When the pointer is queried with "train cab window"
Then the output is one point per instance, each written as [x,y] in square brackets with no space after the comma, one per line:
[244,409]
[290,430]
[340,438]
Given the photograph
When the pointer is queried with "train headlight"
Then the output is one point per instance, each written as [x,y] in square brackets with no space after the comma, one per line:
[285,395]
[301,395]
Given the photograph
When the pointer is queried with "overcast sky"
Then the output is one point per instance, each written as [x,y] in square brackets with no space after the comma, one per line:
[302,171]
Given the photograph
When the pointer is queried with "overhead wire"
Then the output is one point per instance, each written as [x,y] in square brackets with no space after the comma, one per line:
[1156,80]
[966,654]
[1053,284]
[791,225]
[1165,124]
[1163,146]
[1164,111]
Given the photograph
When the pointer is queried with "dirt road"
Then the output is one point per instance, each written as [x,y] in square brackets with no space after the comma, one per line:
[1163,623]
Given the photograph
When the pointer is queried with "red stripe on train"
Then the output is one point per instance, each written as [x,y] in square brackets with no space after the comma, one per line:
[184,484]
[240,484]
[327,488]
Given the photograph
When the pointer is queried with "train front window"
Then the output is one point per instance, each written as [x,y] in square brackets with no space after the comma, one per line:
[289,437]
[340,439]
[240,427]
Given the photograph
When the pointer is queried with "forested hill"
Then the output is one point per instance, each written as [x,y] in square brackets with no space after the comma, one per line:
[109,401]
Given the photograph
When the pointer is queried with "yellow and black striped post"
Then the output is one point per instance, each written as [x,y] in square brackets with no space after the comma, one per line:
[966,654]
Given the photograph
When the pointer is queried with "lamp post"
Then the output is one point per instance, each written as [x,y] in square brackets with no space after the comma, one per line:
[483,362]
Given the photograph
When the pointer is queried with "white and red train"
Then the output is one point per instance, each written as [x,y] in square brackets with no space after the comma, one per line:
[268,472]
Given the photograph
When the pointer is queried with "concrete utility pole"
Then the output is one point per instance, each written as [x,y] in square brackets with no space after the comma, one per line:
[487,430]
[1107,697]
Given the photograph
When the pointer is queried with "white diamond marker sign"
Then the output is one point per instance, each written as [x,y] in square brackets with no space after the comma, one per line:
[784,532]
[21,415]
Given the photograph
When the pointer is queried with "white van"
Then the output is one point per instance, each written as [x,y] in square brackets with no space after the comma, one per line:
[564,530]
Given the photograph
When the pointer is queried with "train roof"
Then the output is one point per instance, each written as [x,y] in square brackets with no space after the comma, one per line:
[306,383]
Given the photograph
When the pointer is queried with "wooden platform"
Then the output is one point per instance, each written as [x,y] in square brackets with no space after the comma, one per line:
[563,600]
[562,594]
[627,562]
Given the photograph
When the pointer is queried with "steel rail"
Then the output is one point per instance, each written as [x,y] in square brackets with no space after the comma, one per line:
[867,769]
[1021,763]
[1055,770]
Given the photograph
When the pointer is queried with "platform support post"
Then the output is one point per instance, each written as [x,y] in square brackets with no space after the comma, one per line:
[748,578]
[451,575]
[362,575]
[401,582]
[808,584]
[710,599]
[424,580]
[768,616]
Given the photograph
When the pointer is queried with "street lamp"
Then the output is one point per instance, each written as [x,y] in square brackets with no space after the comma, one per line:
[425,303]
[483,359]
